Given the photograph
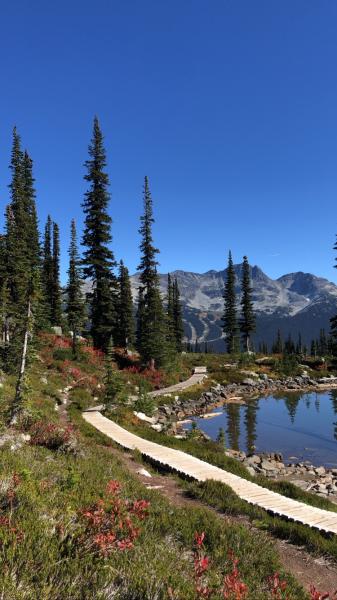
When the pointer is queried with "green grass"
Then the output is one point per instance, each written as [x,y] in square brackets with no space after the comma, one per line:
[222,497]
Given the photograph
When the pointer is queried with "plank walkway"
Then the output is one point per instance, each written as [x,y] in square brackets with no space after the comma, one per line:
[200,470]
[199,374]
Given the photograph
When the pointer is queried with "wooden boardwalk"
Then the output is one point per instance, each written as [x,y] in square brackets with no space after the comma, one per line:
[200,470]
[199,374]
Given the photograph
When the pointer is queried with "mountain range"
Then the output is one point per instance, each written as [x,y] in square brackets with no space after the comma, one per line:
[293,303]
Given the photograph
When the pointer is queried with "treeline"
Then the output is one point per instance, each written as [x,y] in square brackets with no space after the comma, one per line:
[31,296]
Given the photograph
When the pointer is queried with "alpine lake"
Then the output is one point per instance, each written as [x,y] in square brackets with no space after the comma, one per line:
[301,426]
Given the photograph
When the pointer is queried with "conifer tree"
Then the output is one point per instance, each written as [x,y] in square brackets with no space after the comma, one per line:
[75,302]
[153,327]
[230,326]
[171,333]
[47,268]
[21,252]
[247,321]
[278,344]
[21,261]
[125,326]
[177,316]
[56,310]
[99,259]
[32,228]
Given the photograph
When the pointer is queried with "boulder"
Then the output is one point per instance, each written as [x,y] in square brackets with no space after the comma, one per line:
[249,382]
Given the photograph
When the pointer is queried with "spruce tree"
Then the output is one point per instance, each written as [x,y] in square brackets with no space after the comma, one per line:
[21,253]
[170,321]
[32,228]
[47,268]
[177,316]
[247,321]
[56,310]
[152,336]
[230,326]
[21,267]
[125,327]
[278,344]
[75,303]
[98,258]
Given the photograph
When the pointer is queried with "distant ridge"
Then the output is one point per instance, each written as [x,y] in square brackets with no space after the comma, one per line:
[296,302]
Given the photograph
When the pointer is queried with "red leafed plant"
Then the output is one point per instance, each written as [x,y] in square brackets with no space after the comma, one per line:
[316,595]
[233,586]
[112,523]
[201,565]
[50,435]
[277,587]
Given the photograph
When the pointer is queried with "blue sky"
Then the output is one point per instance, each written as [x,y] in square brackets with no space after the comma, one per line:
[229,106]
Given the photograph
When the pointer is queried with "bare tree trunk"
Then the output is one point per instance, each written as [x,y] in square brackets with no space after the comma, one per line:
[19,384]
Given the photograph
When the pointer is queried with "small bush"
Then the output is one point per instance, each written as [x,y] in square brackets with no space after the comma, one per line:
[288,366]
[51,435]
[144,402]
[81,398]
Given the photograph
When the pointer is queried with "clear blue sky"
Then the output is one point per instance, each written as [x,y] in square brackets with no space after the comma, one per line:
[229,106]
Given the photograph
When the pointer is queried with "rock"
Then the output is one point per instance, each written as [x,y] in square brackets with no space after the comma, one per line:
[144,472]
[268,466]
[265,360]
[249,381]
[44,380]
[320,471]
[57,330]
[249,373]
[254,459]
[251,471]
[157,427]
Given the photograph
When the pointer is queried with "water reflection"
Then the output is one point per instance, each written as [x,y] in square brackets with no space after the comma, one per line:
[301,425]
[233,425]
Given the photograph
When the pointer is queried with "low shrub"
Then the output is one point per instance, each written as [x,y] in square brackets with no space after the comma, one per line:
[81,398]
[51,435]
[112,523]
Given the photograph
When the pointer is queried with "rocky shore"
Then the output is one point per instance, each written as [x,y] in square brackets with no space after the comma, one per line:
[319,480]
[253,385]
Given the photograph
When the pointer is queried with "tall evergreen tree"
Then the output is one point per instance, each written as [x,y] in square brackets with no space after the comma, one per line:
[171,334]
[47,268]
[151,319]
[56,310]
[21,253]
[99,259]
[177,316]
[125,327]
[32,228]
[230,325]
[75,302]
[248,320]
[277,347]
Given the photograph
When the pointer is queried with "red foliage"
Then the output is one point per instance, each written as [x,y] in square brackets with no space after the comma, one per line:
[316,595]
[156,378]
[50,435]
[233,587]
[111,524]
[277,587]
[96,356]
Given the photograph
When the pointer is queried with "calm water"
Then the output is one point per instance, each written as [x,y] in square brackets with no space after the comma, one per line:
[298,425]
